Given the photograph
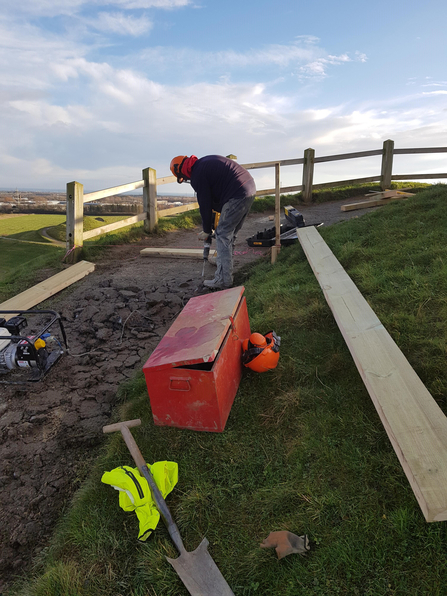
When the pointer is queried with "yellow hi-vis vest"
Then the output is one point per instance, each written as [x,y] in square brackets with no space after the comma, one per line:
[135,494]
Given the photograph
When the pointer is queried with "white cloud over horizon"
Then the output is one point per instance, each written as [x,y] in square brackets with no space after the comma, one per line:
[99,111]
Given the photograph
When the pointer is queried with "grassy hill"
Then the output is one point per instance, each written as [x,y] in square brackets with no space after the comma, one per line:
[27,256]
[25,252]
[304,449]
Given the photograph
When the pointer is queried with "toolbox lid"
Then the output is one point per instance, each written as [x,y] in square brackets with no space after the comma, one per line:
[197,333]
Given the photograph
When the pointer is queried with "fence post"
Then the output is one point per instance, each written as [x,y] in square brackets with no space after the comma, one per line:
[387,165]
[150,199]
[277,247]
[308,174]
[75,220]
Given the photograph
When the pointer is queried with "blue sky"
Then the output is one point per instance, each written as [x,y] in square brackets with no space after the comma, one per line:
[96,91]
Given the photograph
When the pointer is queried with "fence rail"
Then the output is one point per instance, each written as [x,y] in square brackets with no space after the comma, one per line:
[149,184]
[110,192]
[349,155]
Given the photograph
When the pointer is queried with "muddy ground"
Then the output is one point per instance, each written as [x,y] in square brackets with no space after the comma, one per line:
[113,318]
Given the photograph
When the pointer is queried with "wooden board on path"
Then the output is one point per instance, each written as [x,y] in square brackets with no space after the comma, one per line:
[175,252]
[377,200]
[45,289]
[415,424]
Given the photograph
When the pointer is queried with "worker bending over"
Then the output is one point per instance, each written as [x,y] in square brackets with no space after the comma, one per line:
[225,186]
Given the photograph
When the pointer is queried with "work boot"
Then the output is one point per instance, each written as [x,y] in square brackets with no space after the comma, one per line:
[215,284]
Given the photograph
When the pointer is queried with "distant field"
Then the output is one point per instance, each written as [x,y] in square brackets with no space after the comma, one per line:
[16,227]
[26,227]
[23,250]
[21,257]
[9,215]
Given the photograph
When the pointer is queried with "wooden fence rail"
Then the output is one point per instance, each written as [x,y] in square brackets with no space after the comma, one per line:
[149,183]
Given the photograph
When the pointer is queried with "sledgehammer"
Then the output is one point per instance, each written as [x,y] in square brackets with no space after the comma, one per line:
[196,569]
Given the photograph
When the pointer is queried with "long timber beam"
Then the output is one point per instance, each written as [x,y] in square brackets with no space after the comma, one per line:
[195,253]
[415,424]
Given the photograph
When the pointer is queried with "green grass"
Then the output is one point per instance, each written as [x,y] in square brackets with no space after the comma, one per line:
[21,259]
[325,195]
[19,227]
[26,255]
[91,222]
[303,450]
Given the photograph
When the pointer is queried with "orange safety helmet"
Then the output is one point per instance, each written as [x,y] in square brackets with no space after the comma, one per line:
[261,352]
[176,167]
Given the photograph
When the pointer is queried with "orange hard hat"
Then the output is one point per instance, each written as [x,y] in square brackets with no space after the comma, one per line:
[261,352]
[176,167]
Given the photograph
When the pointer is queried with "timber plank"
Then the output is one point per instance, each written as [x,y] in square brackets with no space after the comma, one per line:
[177,210]
[174,252]
[365,204]
[123,223]
[385,194]
[45,289]
[374,202]
[415,424]
[377,199]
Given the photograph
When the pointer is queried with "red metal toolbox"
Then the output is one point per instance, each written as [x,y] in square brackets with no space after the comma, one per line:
[193,374]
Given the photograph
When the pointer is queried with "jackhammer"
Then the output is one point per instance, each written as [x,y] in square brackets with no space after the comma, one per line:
[209,239]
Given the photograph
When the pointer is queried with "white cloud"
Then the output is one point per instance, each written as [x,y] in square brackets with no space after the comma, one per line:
[64,116]
[41,112]
[273,54]
[187,58]
[318,68]
[435,93]
[304,57]
[132,122]
[70,7]
[320,114]
[132,4]
[120,23]
[29,58]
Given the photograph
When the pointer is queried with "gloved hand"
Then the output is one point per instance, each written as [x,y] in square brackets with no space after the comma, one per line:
[202,236]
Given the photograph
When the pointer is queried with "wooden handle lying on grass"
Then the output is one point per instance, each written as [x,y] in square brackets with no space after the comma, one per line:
[160,503]
[123,427]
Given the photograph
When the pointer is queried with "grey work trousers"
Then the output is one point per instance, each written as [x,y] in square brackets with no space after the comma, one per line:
[231,219]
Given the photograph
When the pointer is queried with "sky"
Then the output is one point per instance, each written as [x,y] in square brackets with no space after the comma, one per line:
[95,91]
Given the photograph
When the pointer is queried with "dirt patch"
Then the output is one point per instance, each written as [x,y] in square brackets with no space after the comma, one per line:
[114,318]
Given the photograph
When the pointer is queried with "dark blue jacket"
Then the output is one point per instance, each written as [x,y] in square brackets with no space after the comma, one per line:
[216,180]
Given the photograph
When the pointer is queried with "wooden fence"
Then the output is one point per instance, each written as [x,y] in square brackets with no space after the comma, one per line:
[150,183]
